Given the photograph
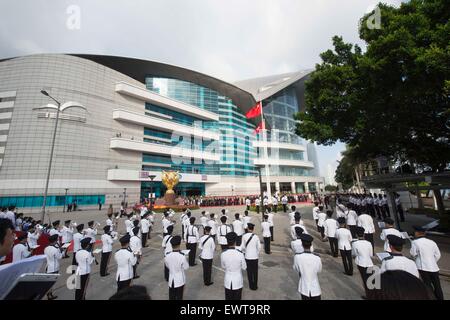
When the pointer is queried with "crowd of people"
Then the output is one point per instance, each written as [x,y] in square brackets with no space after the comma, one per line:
[349,229]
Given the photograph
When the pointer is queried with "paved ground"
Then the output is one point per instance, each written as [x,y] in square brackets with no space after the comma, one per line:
[277,279]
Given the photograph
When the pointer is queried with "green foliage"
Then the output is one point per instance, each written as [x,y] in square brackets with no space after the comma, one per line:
[393,99]
[330,188]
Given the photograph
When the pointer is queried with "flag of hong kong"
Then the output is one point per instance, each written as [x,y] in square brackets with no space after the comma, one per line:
[255,111]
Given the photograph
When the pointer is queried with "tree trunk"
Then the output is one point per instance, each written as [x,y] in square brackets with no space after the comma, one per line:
[439,202]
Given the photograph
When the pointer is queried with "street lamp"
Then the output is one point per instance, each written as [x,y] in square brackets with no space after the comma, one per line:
[261,190]
[151,190]
[65,200]
[45,93]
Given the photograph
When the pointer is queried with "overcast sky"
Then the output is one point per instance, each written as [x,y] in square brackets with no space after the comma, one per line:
[229,39]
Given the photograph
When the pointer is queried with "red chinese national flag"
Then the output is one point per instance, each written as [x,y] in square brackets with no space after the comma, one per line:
[255,111]
[260,127]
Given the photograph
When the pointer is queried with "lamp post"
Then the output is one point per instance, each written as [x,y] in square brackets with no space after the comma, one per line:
[261,190]
[151,190]
[45,93]
[124,197]
[65,200]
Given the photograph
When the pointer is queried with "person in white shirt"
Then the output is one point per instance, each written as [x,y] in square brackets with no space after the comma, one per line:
[246,220]
[204,219]
[208,246]
[366,221]
[298,223]
[352,221]
[21,250]
[427,254]
[265,227]
[55,229]
[270,221]
[177,264]
[223,230]
[251,246]
[248,203]
[308,265]
[396,261]
[389,229]
[145,229]
[362,251]
[213,224]
[125,260]
[66,235]
[33,236]
[284,201]
[53,254]
[191,238]
[84,260]
[344,239]
[321,217]
[166,222]
[9,214]
[292,215]
[167,246]
[136,248]
[184,220]
[77,237]
[330,226]
[107,243]
[275,204]
[233,262]
[91,232]
[238,228]
[296,245]
[258,204]
[315,212]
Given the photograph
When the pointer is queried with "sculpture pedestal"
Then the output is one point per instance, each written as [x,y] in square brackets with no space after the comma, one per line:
[169,199]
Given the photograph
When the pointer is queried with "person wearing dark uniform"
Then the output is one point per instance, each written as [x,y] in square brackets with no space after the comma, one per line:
[125,260]
[396,261]
[77,237]
[107,243]
[233,262]
[208,245]
[191,238]
[53,254]
[251,247]
[362,250]
[167,248]
[344,240]
[176,263]
[265,227]
[84,260]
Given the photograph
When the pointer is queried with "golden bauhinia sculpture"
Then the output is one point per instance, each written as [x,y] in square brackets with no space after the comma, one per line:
[170,180]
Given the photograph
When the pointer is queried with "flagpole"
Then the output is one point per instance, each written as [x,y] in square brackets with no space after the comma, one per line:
[266,157]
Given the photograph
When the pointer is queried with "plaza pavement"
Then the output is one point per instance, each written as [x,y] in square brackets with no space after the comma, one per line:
[277,279]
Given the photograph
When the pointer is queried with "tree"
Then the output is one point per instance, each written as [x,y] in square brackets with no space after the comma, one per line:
[391,100]
[330,188]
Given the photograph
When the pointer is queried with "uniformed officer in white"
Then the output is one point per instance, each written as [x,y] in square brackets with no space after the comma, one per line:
[191,238]
[125,260]
[177,264]
[107,243]
[145,229]
[330,226]
[248,203]
[427,254]
[298,223]
[91,232]
[352,221]
[308,265]
[84,260]
[66,235]
[251,246]
[213,224]
[362,251]
[315,212]
[238,228]
[223,230]
[292,215]
[185,223]
[365,221]
[166,222]
[33,236]
[270,221]
[233,262]
[136,248]
[55,229]
[284,201]
[208,246]
[53,253]
[275,204]
[77,237]
[389,229]
[21,250]
[396,261]
[265,227]
[296,245]
[167,248]
[204,219]
[258,204]
[245,220]
[344,239]
[321,217]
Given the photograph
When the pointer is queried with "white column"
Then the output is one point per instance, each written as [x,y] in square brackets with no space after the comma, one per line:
[277,186]
[306,187]
[293,187]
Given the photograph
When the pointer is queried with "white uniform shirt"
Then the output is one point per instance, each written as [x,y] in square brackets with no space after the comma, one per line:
[315,212]
[399,262]
[66,234]
[32,239]
[125,260]
[11,216]
[213,224]
[344,237]
[321,216]
[292,217]
[166,244]
[53,255]
[107,243]
[84,259]
[110,223]
[352,218]
[77,237]
[331,226]
[204,221]
[186,223]
[129,226]
[294,234]
[366,222]
[191,234]
[385,233]
[246,220]
[136,245]
[91,233]
[248,202]
[426,253]
[165,223]
[250,250]
[233,262]
[20,252]
[53,232]
[297,246]
[176,262]
[145,226]
[238,227]
[223,230]
[362,251]
[308,265]
[270,219]
[257,202]
[284,200]
[265,227]
[207,246]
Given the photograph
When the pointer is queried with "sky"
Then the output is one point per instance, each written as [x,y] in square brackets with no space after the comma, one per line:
[228,39]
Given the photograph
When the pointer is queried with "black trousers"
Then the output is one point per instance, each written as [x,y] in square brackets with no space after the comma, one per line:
[257,209]
[252,273]
[347,261]
[233,294]
[267,245]
[123,284]
[431,280]
[135,270]
[353,231]
[81,293]
[193,250]
[74,262]
[371,210]
[285,208]
[166,273]
[144,239]
[104,263]
[176,293]
[369,237]
[317,224]
[334,246]
[271,233]
[378,211]
[322,231]
[386,209]
[275,208]
[400,212]
[310,298]
[364,276]
[207,270]
[182,231]
[248,208]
